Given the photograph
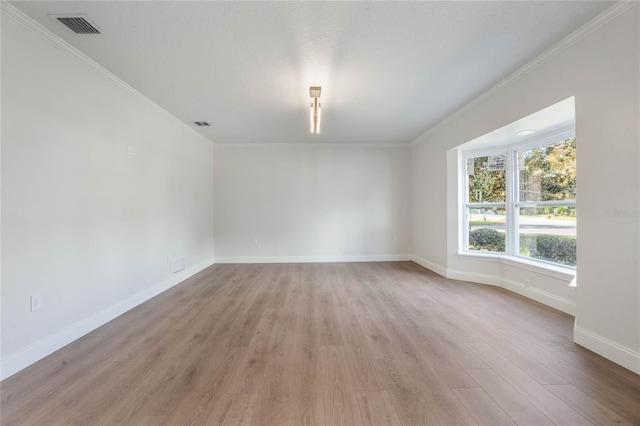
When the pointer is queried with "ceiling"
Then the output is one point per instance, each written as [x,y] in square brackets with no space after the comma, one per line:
[389,71]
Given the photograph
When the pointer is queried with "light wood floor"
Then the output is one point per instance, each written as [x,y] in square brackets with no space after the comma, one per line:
[350,344]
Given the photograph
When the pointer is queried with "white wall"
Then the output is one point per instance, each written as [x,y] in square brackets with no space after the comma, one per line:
[602,71]
[84,223]
[311,203]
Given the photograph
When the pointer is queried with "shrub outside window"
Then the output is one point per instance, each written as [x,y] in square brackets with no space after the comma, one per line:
[521,202]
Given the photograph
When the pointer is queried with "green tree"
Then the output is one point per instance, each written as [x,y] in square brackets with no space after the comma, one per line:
[549,172]
[560,183]
[486,186]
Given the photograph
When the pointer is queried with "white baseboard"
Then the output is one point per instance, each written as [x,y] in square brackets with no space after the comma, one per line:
[313,259]
[560,303]
[546,298]
[565,305]
[474,277]
[430,265]
[619,354]
[34,352]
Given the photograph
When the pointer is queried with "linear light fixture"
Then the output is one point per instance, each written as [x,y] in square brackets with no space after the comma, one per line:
[526,132]
[315,112]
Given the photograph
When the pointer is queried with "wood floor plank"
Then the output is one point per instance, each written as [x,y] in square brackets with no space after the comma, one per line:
[409,403]
[276,402]
[591,409]
[376,408]
[379,343]
[483,409]
[519,409]
[70,365]
[329,329]
[549,404]
[600,380]
[522,359]
[438,398]
[92,399]
[281,349]
[459,351]
[200,401]
[175,386]
[309,403]
[244,281]
[602,370]
[449,373]
[323,344]
[245,325]
[155,421]
[305,342]
[280,288]
[340,403]
[361,369]
[414,340]
[232,409]
[253,366]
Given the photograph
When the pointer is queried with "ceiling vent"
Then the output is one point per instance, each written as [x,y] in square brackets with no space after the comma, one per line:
[79,24]
[202,123]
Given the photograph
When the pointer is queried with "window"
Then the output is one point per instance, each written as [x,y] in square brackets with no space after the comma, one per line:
[486,203]
[521,200]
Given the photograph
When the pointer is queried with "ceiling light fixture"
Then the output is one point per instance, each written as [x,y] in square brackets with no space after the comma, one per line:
[525,132]
[315,112]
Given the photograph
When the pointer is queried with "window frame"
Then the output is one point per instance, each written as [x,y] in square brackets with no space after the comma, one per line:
[512,204]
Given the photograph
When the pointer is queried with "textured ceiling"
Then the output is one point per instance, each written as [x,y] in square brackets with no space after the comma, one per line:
[389,70]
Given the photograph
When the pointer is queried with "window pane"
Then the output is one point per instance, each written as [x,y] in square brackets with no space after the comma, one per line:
[486,229]
[548,173]
[548,233]
[486,179]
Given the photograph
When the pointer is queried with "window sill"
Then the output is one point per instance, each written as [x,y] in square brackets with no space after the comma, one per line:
[555,271]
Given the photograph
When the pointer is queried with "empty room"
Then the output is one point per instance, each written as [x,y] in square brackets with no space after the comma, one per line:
[320,213]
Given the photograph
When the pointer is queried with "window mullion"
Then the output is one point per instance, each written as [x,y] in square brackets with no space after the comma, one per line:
[555,203]
[465,213]
[511,217]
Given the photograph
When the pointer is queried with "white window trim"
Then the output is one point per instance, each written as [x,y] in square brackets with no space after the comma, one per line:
[510,255]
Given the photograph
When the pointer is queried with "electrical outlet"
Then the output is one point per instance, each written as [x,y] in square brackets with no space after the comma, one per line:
[36,302]
[255,242]
[527,283]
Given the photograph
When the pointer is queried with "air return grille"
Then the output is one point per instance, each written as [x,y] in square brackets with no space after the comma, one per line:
[201,123]
[78,24]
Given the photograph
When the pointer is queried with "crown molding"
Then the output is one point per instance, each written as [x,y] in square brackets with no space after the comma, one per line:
[18,16]
[309,145]
[611,13]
